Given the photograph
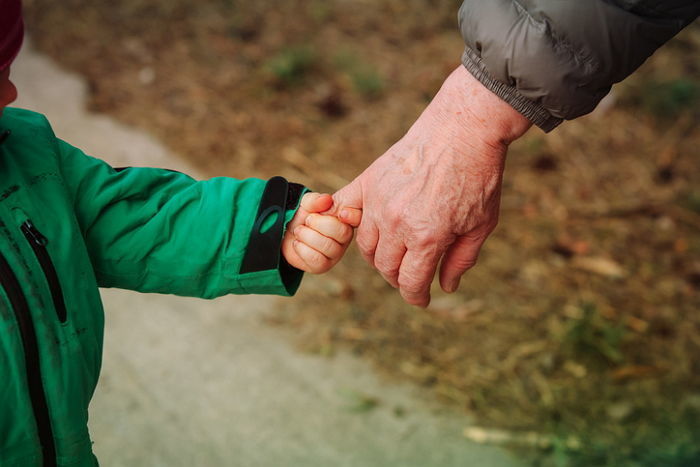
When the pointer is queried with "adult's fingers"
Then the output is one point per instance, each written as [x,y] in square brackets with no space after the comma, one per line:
[388,257]
[460,257]
[366,239]
[416,274]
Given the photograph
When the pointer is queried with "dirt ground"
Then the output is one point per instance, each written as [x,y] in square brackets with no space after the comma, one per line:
[579,323]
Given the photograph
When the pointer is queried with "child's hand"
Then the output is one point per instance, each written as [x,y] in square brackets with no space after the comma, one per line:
[315,242]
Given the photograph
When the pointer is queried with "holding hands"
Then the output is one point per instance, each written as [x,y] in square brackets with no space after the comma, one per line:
[432,199]
[315,242]
[429,202]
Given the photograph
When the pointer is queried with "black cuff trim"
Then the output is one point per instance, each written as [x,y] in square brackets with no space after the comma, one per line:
[294,192]
[264,248]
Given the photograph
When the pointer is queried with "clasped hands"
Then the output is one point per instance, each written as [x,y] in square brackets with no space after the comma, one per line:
[432,199]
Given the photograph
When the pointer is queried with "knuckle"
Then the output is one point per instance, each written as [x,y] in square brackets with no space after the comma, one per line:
[305,234]
[322,243]
[396,221]
[366,246]
[425,240]
[426,235]
[328,246]
[479,233]
[345,234]
[463,265]
[393,216]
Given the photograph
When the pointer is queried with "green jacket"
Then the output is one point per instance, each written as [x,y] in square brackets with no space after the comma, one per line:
[69,224]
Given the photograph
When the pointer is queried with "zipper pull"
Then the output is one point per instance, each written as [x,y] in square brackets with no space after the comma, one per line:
[33,234]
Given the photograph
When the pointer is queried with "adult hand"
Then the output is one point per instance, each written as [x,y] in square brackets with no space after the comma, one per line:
[435,194]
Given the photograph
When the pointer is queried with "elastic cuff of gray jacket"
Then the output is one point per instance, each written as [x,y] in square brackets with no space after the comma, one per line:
[537,114]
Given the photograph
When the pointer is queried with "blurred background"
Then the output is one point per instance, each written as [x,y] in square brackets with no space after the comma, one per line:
[581,321]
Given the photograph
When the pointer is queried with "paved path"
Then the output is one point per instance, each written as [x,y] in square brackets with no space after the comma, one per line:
[189,382]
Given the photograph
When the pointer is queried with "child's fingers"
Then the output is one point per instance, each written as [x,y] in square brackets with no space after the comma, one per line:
[316,262]
[330,226]
[324,245]
[351,216]
[316,202]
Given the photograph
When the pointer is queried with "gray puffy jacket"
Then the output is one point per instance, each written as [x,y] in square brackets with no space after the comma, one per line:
[556,59]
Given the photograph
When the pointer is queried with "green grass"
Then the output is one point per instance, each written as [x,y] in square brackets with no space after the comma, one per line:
[366,79]
[665,100]
[292,65]
[593,339]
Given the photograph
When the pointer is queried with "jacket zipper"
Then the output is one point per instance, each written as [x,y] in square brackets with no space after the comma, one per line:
[38,243]
[37,395]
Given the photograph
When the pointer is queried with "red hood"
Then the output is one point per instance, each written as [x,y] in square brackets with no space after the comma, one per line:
[11,31]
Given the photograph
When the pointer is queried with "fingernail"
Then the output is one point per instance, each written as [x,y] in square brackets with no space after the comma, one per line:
[344,214]
[453,286]
[297,229]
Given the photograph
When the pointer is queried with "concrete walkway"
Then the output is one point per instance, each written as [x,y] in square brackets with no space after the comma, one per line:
[189,382]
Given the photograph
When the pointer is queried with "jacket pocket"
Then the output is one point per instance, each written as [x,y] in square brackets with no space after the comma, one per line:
[38,243]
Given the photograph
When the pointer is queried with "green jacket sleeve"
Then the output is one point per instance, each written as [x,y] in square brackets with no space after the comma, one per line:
[556,59]
[155,230]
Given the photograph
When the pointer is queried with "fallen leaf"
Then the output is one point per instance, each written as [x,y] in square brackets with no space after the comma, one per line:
[637,325]
[599,265]
[575,369]
[620,411]
[635,371]
[527,438]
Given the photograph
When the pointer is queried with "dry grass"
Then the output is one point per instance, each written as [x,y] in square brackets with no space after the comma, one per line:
[581,318]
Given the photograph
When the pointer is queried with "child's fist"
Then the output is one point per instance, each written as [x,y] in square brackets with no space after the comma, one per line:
[315,242]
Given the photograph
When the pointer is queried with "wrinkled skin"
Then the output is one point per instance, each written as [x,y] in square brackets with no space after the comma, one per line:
[434,195]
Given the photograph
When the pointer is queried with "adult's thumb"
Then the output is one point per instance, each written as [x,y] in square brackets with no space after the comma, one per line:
[459,257]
